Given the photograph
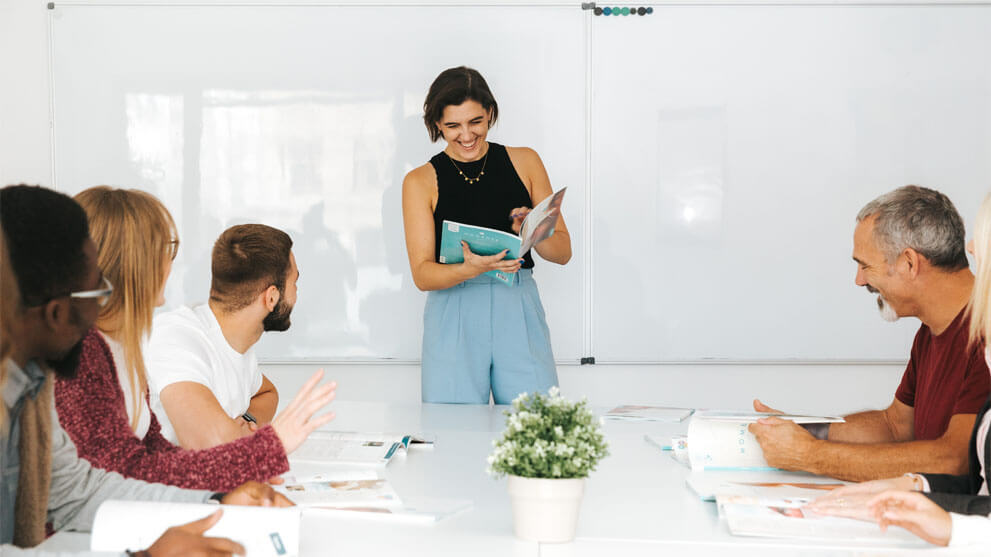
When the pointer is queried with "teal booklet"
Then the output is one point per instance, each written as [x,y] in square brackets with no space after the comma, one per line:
[537,226]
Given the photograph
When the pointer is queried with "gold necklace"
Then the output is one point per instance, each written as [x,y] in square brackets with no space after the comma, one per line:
[485,159]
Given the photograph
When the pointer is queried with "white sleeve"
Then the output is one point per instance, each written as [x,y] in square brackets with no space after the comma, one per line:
[177,353]
[969,529]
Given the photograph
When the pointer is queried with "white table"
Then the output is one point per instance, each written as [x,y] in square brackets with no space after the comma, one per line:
[635,504]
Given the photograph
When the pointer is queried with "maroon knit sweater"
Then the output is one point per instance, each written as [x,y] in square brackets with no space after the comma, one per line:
[91,409]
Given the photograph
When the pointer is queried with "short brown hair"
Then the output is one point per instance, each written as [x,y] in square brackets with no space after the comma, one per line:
[452,87]
[247,259]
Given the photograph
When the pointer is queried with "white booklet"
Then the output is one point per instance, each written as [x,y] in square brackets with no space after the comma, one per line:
[355,448]
[419,510]
[341,488]
[633,413]
[721,440]
[263,531]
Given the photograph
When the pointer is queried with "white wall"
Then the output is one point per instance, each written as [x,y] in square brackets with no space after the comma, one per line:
[25,156]
[25,139]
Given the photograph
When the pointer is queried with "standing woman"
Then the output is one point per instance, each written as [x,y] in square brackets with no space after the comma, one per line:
[479,335]
[104,407]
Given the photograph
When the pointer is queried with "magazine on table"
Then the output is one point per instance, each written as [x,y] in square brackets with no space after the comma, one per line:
[263,531]
[537,226]
[356,448]
[721,440]
[341,488]
[755,486]
[786,518]
[634,413]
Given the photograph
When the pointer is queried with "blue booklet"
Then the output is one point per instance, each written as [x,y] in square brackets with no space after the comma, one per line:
[537,226]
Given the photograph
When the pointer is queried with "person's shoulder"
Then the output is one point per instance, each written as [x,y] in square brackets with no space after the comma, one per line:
[422,176]
[522,154]
[183,324]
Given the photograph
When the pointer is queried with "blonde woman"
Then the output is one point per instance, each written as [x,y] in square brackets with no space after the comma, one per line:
[954,509]
[105,407]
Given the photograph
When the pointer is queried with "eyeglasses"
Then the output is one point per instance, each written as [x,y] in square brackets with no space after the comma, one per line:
[102,295]
[173,248]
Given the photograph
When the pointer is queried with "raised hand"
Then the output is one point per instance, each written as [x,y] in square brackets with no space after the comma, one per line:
[294,424]
[188,540]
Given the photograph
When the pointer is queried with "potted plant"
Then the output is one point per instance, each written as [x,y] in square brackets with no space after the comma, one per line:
[549,447]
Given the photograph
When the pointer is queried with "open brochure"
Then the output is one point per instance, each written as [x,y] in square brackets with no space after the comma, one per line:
[420,510]
[750,417]
[787,519]
[537,226]
[355,448]
[720,440]
[341,488]
[263,531]
[757,486]
[631,413]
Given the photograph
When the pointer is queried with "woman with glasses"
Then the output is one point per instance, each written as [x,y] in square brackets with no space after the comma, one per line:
[105,407]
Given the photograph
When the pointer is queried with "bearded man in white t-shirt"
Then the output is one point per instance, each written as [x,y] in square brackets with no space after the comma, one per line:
[203,377]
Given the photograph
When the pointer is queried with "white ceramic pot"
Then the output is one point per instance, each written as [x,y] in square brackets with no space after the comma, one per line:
[545,509]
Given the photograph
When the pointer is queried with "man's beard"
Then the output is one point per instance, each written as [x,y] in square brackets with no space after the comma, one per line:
[278,318]
[887,312]
[66,366]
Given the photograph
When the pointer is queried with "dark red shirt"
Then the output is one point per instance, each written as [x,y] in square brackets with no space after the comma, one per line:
[945,376]
[92,411]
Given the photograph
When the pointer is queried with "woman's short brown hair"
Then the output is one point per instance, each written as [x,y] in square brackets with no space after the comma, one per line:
[247,259]
[452,87]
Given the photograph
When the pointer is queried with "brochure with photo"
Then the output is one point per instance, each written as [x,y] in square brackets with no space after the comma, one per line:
[355,448]
[362,488]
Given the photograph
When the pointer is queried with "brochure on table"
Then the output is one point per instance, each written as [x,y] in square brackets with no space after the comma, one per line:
[341,488]
[348,448]
[634,413]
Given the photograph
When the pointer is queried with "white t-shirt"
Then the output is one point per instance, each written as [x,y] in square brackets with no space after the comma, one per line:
[187,345]
[144,417]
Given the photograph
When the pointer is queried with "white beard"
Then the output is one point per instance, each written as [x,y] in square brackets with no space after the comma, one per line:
[887,312]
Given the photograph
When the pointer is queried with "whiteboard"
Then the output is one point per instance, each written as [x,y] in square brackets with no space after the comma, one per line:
[729,162]
[716,155]
[307,118]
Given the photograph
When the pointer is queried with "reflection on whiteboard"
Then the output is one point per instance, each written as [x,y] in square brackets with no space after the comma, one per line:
[690,155]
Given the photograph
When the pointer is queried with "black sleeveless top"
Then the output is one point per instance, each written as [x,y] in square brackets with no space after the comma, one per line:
[487,202]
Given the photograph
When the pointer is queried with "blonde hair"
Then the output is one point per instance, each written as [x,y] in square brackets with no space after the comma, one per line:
[10,301]
[134,234]
[980,299]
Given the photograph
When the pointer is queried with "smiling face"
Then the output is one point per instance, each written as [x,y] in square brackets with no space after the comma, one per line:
[465,127]
[875,273]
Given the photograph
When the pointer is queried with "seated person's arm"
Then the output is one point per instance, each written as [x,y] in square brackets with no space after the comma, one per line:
[790,447]
[894,423]
[198,419]
[264,402]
